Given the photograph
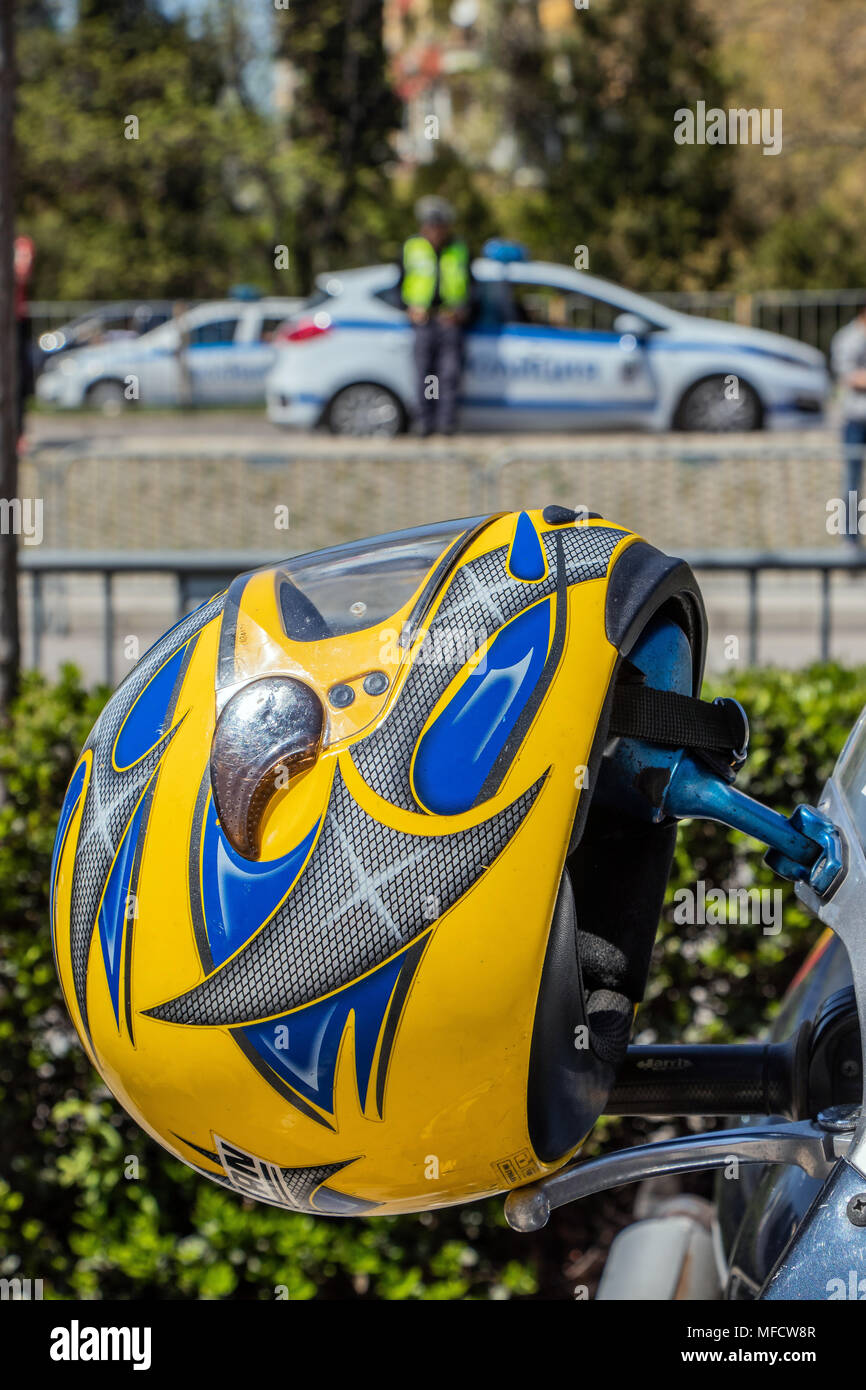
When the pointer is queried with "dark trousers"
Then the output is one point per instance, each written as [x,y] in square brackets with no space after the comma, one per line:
[438,367]
[854,445]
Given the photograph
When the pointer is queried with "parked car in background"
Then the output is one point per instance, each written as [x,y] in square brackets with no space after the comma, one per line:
[547,347]
[217,353]
[105,324]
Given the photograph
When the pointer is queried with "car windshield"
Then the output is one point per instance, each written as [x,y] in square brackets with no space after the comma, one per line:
[160,337]
[313,301]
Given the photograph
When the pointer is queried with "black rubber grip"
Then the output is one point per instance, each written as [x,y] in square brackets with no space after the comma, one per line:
[705,1079]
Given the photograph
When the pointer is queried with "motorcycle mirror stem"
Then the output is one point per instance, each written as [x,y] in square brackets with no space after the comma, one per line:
[805,847]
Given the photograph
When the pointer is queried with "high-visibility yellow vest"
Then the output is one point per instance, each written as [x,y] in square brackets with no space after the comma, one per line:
[419,273]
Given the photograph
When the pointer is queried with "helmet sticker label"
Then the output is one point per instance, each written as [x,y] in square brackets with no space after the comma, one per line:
[516,1168]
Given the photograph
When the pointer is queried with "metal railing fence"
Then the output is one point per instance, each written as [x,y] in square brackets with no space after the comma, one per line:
[211,495]
[197,576]
[813,316]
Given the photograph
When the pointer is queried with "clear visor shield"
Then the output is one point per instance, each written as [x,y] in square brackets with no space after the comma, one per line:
[850,777]
[309,653]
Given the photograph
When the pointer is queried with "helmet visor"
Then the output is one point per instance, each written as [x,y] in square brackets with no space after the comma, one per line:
[309,654]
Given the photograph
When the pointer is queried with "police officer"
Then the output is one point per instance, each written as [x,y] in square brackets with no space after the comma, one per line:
[436,288]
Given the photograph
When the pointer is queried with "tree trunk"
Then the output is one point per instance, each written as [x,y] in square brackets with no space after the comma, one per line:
[9,634]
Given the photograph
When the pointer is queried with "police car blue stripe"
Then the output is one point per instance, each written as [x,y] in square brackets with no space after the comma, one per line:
[561,335]
[589,335]
[531,403]
[502,403]
[233,347]
[677,345]
[386,325]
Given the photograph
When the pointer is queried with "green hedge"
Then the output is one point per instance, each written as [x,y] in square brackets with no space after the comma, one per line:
[799,722]
[70,1216]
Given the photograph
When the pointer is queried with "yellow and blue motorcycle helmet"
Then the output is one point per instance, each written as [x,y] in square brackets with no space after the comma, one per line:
[340,909]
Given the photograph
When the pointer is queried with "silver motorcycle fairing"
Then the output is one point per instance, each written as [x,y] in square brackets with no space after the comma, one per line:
[827,1242]
[820,1148]
[758,1212]
[830,1243]
[827,1253]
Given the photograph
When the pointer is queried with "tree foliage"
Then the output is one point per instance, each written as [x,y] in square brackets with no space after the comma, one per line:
[177,205]
[560,139]
[339,127]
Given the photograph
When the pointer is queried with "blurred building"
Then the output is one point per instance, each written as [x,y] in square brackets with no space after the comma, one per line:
[435,51]
[444,60]
[445,67]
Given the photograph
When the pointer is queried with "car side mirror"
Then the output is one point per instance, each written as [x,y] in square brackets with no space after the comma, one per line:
[633,324]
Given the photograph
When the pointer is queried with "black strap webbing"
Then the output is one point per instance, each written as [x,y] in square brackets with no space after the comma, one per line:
[677,721]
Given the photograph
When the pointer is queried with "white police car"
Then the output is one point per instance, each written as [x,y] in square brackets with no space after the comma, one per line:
[547,347]
[215,354]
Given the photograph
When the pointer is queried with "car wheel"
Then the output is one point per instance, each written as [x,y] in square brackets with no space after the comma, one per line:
[366,409]
[711,407]
[107,396]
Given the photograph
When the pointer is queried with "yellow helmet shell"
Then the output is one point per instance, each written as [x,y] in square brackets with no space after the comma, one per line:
[353,988]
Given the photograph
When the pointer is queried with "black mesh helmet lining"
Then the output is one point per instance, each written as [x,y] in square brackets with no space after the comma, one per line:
[619,865]
[619,873]
[569,1080]
[610,896]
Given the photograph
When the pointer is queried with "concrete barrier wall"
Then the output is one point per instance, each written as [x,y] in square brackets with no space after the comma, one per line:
[680,496]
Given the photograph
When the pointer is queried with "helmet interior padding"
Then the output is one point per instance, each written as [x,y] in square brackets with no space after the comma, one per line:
[616,872]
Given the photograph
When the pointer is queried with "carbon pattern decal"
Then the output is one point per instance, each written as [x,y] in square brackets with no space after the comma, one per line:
[437,577]
[367,890]
[67,811]
[112,796]
[298,1189]
[481,598]
[139,849]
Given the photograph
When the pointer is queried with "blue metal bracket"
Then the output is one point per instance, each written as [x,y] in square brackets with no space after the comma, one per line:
[654,782]
[806,847]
